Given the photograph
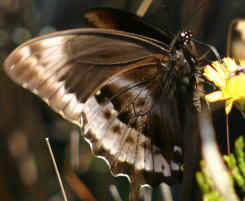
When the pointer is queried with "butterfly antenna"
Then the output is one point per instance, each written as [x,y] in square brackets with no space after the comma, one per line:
[214,50]
[189,19]
[169,14]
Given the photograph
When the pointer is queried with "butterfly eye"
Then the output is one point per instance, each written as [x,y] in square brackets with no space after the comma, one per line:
[185,36]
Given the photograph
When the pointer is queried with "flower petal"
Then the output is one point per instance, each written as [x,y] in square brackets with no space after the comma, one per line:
[229,103]
[228,106]
[214,76]
[215,96]
[242,62]
[230,64]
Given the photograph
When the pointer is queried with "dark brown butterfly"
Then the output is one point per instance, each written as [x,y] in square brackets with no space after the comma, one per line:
[128,92]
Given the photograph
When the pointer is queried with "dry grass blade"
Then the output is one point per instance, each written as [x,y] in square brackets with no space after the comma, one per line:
[115,193]
[56,170]
[143,7]
[166,193]
[79,188]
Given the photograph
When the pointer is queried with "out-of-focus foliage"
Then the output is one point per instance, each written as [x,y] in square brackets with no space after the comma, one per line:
[236,164]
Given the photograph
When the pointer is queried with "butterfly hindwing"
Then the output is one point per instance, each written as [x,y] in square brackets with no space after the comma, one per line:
[111,18]
[124,117]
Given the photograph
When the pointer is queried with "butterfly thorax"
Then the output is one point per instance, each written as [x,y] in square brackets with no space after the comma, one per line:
[184,69]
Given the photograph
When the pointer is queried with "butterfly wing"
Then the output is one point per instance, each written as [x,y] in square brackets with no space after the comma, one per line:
[134,125]
[115,86]
[57,65]
[111,18]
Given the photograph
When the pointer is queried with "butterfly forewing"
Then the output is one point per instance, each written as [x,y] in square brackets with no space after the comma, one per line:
[57,65]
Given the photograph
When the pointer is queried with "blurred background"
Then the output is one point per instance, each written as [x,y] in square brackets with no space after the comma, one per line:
[26,169]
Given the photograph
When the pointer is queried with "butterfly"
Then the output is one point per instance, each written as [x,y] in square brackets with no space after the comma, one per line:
[126,83]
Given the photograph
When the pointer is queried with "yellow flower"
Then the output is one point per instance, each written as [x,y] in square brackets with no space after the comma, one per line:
[232,85]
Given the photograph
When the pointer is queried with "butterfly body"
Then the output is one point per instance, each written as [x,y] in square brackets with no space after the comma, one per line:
[128,93]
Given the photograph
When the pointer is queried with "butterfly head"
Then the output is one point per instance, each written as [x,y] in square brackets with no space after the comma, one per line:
[185,36]
[181,46]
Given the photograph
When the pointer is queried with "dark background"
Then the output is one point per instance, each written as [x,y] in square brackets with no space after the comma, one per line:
[26,170]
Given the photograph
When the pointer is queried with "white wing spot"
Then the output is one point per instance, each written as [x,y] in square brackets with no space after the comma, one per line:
[24,85]
[35,91]
[12,67]
[26,51]
[161,165]
[98,93]
[166,170]
[177,149]
[52,41]
[174,166]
